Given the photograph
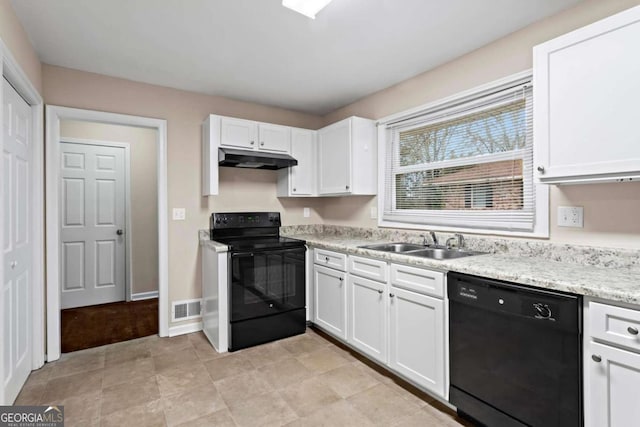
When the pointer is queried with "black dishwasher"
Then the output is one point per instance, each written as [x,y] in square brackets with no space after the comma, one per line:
[515,353]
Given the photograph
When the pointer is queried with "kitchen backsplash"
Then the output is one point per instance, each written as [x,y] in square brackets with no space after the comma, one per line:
[575,254]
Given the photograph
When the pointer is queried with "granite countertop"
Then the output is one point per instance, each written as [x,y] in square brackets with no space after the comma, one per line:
[616,284]
[203,236]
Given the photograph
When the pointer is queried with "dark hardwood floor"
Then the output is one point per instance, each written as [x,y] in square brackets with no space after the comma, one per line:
[97,325]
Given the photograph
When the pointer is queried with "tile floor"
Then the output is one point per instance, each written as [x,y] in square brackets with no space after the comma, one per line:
[300,381]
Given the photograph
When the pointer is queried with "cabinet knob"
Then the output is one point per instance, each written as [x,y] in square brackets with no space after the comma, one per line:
[294,189]
[253,142]
[346,186]
[391,295]
[541,169]
[262,143]
[596,358]
[340,278]
[326,259]
[380,291]
[14,264]
[632,330]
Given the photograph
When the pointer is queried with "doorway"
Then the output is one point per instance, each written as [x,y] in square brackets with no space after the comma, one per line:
[106,227]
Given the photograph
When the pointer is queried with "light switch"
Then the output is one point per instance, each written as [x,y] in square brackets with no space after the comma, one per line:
[306,212]
[179,214]
[570,216]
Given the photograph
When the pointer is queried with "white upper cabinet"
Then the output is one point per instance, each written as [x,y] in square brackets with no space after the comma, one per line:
[238,133]
[246,134]
[586,92]
[274,138]
[300,180]
[347,158]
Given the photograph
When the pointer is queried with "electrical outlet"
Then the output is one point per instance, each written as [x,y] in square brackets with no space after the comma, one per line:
[179,214]
[306,212]
[374,212]
[571,216]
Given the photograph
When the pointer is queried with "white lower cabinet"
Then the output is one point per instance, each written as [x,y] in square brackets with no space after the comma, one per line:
[417,342]
[611,366]
[367,323]
[330,300]
[614,382]
[398,320]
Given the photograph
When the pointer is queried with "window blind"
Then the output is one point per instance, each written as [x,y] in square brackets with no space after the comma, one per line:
[469,164]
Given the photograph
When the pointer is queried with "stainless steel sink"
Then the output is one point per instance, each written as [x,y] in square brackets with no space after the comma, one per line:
[394,247]
[439,253]
[422,251]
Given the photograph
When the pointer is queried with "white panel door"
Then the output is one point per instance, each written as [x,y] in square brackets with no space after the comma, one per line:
[614,381]
[368,317]
[92,216]
[334,151]
[17,246]
[417,338]
[330,300]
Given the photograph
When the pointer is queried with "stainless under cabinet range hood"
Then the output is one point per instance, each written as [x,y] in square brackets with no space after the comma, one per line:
[254,159]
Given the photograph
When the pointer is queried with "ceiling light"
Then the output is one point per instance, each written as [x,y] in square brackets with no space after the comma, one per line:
[308,8]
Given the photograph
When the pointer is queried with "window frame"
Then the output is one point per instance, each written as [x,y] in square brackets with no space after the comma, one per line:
[464,221]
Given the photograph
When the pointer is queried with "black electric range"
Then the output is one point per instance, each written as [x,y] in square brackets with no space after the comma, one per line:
[267,280]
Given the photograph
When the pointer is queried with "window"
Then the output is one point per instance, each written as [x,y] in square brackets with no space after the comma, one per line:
[465,163]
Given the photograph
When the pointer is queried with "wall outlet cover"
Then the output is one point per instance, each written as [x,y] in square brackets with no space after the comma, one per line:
[374,212]
[571,216]
[306,212]
[179,214]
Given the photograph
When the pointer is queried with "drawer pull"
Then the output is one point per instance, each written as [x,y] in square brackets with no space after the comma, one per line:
[632,330]
[596,358]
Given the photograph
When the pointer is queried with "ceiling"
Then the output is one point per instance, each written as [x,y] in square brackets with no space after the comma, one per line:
[259,51]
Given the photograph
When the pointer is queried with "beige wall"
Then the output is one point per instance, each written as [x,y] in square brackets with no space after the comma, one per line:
[16,39]
[184,112]
[610,209]
[144,193]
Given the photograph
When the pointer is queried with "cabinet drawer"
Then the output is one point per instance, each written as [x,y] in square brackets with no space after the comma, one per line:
[330,259]
[368,268]
[615,325]
[419,280]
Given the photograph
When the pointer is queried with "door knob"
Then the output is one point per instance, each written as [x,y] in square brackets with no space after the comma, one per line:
[119,232]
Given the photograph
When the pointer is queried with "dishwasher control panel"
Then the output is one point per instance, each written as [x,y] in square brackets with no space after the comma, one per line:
[524,302]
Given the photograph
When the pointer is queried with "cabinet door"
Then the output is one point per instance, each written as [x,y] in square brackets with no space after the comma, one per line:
[330,300]
[334,152]
[586,94]
[368,317]
[302,175]
[417,338]
[614,381]
[274,138]
[238,133]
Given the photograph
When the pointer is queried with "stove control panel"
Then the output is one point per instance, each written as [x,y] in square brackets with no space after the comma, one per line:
[244,220]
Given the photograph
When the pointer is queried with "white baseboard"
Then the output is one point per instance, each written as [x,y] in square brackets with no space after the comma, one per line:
[185,329]
[144,295]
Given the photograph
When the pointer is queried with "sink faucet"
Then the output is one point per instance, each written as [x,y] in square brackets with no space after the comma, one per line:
[434,239]
[459,238]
